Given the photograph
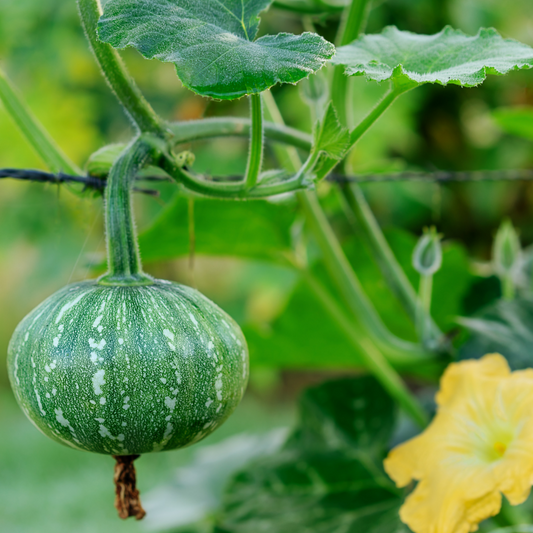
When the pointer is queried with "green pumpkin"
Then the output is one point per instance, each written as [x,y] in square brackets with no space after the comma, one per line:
[127,370]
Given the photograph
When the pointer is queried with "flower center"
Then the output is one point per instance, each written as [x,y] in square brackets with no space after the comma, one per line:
[500,448]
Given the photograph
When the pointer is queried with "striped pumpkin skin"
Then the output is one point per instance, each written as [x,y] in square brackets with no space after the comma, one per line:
[128,370]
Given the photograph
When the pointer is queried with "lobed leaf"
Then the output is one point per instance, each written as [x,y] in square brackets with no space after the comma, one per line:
[211,43]
[449,56]
[330,137]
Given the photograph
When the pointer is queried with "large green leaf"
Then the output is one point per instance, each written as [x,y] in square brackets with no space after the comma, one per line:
[212,44]
[328,477]
[504,327]
[515,120]
[254,230]
[449,56]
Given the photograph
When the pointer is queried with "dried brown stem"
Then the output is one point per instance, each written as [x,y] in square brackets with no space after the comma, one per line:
[127,500]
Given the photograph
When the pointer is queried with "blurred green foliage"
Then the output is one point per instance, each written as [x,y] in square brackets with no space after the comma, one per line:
[51,236]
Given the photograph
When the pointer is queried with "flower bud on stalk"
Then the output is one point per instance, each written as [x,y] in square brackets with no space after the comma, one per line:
[427,256]
[506,257]
[427,260]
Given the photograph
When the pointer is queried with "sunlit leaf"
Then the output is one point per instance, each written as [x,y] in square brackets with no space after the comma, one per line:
[328,477]
[449,56]
[212,43]
[515,120]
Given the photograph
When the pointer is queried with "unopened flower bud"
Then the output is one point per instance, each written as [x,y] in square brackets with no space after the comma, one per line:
[506,250]
[427,256]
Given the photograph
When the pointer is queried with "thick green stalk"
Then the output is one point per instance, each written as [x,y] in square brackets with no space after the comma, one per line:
[207,128]
[124,262]
[33,131]
[374,360]
[352,23]
[255,157]
[384,256]
[114,71]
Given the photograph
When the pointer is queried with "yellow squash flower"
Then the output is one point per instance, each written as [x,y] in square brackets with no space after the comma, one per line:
[478,446]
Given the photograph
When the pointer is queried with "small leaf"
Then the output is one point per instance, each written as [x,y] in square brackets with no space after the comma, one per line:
[330,138]
[212,43]
[449,56]
[328,477]
[515,120]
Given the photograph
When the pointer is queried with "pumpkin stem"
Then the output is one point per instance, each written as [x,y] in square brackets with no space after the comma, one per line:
[124,263]
[127,500]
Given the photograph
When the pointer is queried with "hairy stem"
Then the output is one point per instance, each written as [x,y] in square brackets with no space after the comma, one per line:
[197,130]
[124,263]
[116,74]
[32,129]
[255,157]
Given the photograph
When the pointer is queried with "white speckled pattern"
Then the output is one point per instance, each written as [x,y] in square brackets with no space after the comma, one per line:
[128,370]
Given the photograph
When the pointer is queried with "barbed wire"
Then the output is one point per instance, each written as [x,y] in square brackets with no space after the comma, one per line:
[439,176]
[98,184]
[90,182]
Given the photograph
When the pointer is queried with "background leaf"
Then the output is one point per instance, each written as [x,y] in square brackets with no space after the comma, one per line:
[328,477]
[254,229]
[449,56]
[212,43]
[515,120]
[195,491]
[504,327]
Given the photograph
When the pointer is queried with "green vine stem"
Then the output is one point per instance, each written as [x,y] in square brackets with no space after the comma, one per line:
[387,262]
[352,23]
[345,278]
[339,267]
[114,71]
[374,360]
[124,263]
[255,157]
[33,131]
[207,128]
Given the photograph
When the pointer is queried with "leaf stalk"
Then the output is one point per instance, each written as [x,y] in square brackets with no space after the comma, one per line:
[121,83]
[255,157]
